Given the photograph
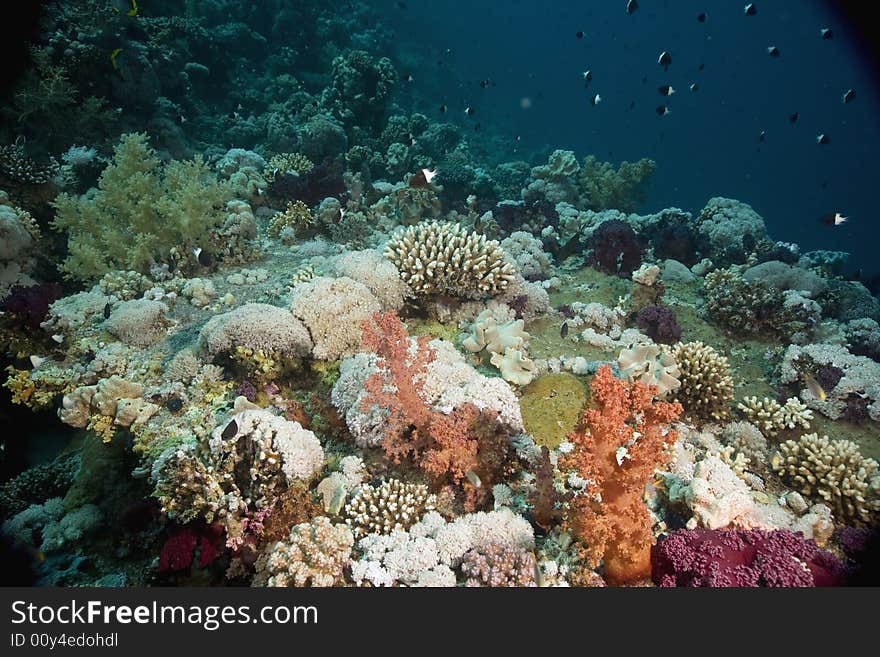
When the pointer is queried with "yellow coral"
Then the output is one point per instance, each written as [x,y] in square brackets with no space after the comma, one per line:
[287,163]
[297,217]
[102,425]
[21,386]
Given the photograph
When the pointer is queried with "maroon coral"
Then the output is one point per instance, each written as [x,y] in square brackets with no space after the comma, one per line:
[753,558]
[614,248]
[29,306]
[659,323]
[180,548]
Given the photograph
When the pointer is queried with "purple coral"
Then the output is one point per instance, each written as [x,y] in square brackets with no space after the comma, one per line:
[726,558]
[29,306]
[614,248]
[658,323]
[247,390]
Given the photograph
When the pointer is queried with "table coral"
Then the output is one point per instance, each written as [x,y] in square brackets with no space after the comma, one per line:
[620,444]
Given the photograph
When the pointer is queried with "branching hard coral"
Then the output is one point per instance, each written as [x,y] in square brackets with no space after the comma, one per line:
[615,452]
[833,471]
[242,467]
[499,565]
[443,258]
[467,447]
[706,384]
[296,222]
[392,505]
[771,417]
[604,188]
[139,212]
[315,554]
[283,163]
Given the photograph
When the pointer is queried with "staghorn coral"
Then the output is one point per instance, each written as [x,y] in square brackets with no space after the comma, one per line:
[615,452]
[315,554]
[139,212]
[392,505]
[443,258]
[833,471]
[771,417]
[706,389]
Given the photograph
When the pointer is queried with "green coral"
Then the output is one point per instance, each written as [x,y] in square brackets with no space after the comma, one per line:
[623,189]
[140,210]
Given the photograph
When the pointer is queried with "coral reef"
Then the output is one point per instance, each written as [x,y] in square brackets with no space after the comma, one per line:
[706,390]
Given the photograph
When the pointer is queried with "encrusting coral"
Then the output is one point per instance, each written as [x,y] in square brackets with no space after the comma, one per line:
[615,452]
[833,471]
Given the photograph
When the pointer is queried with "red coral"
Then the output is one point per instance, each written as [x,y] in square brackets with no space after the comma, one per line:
[179,549]
[445,446]
[609,516]
[721,558]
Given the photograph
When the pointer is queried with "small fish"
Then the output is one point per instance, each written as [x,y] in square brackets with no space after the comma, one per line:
[36,361]
[579,34]
[621,455]
[826,33]
[665,59]
[701,67]
[469,111]
[761,135]
[595,100]
[204,258]
[773,51]
[182,118]
[662,110]
[666,90]
[814,387]
[631,6]
[823,139]
[632,104]
[750,9]
[107,310]
[793,117]
[701,17]
[443,109]
[58,337]
[776,460]
[230,430]
[694,87]
[588,77]
[834,219]
[563,330]
[429,174]
[485,83]
[409,78]
[849,95]
[409,140]
[473,478]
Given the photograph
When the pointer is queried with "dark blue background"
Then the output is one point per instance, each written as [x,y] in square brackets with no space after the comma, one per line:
[708,145]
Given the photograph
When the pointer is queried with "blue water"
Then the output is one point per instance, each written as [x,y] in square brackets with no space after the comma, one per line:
[708,144]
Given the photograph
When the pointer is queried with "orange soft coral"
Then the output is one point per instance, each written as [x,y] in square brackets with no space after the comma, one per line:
[445,446]
[617,447]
